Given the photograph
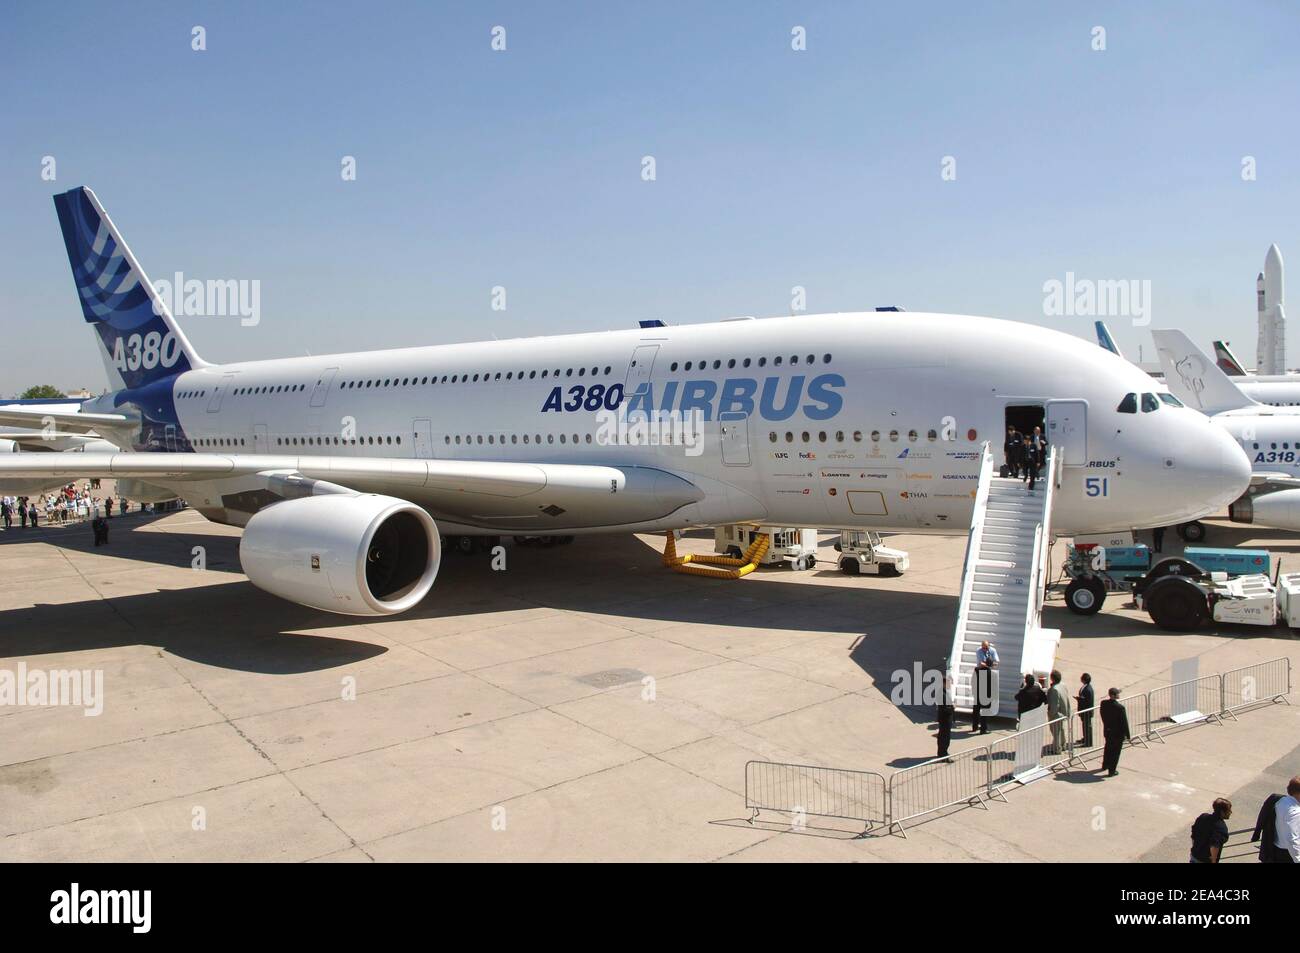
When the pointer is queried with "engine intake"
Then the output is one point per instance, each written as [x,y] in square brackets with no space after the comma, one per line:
[356,554]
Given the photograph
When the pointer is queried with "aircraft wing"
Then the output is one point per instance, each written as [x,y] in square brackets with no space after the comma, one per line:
[1264,478]
[73,422]
[479,492]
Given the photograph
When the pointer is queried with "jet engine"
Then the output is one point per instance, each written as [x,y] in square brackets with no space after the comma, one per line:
[1279,509]
[357,554]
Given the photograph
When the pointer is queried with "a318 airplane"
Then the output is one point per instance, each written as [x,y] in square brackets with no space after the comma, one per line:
[345,469]
[1269,433]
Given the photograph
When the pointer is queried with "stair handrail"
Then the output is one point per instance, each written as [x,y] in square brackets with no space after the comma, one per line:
[1037,567]
[972,554]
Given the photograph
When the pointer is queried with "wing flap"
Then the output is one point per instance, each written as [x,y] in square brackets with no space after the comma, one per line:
[67,421]
[479,492]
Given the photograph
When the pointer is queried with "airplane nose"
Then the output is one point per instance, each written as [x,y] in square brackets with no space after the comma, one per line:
[1215,470]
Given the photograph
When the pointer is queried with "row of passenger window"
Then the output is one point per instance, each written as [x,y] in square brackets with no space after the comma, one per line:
[746,362]
[487,376]
[839,437]
[303,441]
[470,378]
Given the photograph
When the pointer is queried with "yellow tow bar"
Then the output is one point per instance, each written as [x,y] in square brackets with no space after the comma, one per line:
[691,562]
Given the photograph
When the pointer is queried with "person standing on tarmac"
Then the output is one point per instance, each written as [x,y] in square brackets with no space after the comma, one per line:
[1114,727]
[945,714]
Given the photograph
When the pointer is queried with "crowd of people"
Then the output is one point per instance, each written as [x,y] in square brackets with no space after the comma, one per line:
[1033,694]
[72,503]
[1277,828]
[1024,455]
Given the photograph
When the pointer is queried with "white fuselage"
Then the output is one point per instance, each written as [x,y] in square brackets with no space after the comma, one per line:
[870,420]
[1273,392]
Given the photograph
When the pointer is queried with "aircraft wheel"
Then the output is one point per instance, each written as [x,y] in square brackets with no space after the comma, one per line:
[850,566]
[734,552]
[1085,595]
[1177,604]
[1193,532]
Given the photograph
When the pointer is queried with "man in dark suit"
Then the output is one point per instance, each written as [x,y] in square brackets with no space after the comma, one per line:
[946,712]
[1266,829]
[1011,452]
[1030,696]
[1085,700]
[1114,727]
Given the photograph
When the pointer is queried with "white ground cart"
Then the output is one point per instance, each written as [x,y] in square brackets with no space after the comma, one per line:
[863,552]
[797,545]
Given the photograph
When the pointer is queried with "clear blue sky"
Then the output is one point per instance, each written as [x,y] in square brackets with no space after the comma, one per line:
[522,169]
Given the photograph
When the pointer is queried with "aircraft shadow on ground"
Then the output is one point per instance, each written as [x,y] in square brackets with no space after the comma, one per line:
[232,624]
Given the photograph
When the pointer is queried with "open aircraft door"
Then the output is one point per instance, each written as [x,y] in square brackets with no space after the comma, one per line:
[1067,430]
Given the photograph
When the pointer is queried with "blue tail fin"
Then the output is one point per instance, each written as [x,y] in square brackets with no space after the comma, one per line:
[1105,340]
[140,340]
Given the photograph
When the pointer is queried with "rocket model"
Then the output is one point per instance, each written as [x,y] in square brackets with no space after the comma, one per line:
[1270,289]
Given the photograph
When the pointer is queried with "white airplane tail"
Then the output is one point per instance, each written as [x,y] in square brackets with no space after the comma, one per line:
[1193,377]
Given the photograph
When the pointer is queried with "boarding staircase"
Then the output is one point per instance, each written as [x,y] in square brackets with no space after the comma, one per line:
[1003,582]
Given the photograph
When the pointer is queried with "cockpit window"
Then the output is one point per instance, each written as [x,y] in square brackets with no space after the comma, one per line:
[1171,400]
[1149,403]
[1129,405]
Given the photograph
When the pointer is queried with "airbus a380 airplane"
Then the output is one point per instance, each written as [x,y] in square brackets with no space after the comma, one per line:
[344,469]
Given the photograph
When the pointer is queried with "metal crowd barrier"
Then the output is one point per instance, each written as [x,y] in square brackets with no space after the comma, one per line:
[1041,741]
[934,785]
[1198,699]
[823,792]
[977,775]
[1263,682]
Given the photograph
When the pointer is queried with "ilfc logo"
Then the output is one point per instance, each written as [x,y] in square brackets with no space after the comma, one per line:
[773,399]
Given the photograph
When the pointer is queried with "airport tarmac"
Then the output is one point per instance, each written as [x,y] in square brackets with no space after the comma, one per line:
[583,704]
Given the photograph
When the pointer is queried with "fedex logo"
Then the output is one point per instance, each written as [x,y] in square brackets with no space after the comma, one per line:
[773,398]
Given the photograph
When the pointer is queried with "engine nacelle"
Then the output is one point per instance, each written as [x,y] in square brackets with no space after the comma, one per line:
[8,446]
[1279,509]
[358,554]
